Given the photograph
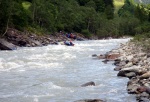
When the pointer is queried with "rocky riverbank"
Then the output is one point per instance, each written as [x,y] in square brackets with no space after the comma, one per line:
[132,62]
[14,38]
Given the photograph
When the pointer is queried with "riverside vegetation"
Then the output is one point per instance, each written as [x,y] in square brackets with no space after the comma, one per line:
[101,18]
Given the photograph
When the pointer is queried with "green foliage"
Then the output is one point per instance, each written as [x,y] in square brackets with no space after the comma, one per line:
[109,12]
[91,4]
[86,33]
[141,13]
[36,30]
[128,26]
[26,5]
[19,16]
[127,7]
[4,14]
[109,28]
[100,5]
[83,16]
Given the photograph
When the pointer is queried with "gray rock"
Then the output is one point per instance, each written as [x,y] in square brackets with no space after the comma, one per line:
[132,89]
[4,45]
[90,100]
[117,68]
[94,55]
[145,75]
[91,83]
[37,43]
[130,75]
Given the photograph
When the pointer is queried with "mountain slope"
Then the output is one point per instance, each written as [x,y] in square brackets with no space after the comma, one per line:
[143,1]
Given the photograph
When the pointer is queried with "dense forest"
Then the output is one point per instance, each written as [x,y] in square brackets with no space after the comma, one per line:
[89,17]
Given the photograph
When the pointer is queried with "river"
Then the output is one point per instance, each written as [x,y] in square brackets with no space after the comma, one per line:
[55,73]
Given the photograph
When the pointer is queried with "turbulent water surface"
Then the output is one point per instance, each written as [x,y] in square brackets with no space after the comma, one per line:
[55,73]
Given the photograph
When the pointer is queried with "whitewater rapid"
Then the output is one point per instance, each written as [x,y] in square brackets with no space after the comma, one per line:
[55,73]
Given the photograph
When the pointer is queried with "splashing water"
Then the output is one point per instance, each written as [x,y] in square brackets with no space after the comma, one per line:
[55,73]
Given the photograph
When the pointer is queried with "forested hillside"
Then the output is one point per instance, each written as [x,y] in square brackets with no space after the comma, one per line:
[89,17]
[143,1]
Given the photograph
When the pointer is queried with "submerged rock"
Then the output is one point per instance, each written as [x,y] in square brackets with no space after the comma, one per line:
[91,83]
[90,100]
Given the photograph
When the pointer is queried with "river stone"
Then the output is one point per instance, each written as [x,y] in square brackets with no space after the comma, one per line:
[132,89]
[123,72]
[117,62]
[91,83]
[130,75]
[112,57]
[142,89]
[101,57]
[4,45]
[134,69]
[123,63]
[147,84]
[90,100]
[142,54]
[145,75]
[129,57]
[142,99]
[117,68]
[94,55]
[36,42]
[148,55]
[129,64]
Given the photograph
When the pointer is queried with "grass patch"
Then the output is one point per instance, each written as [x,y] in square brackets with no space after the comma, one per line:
[26,5]
[118,4]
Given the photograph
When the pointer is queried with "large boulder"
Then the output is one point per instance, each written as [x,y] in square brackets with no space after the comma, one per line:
[124,72]
[5,45]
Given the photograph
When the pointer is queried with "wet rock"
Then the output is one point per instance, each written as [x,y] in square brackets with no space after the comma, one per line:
[133,80]
[132,88]
[148,55]
[124,71]
[90,100]
[91,83]
[117,62]
[142,89]
[112,57]
[130,75]
[36,43]
[5,45]
[129,64]
[129,57]
[22,43]
[94,55]
[105,61]
[117,68]
[135,61]
[143,99]
[144,94]
[101,57]
[121,63]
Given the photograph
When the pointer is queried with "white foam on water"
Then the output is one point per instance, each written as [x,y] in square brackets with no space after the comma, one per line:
[55,72]
[11,95]
[68,56]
